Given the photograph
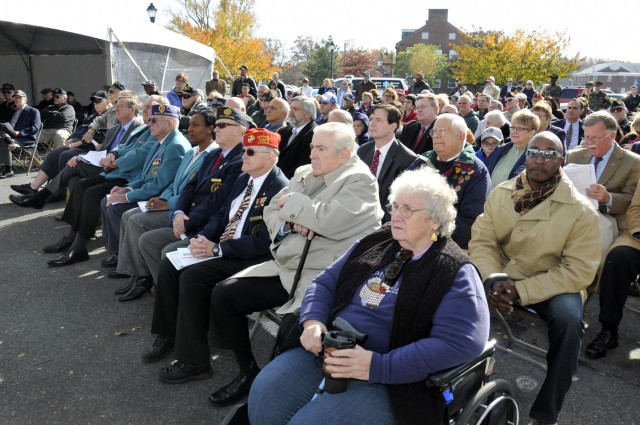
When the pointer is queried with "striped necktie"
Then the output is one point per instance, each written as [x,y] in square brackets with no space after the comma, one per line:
[234,221]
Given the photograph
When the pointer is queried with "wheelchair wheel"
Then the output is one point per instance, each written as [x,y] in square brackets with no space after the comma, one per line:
[492,405]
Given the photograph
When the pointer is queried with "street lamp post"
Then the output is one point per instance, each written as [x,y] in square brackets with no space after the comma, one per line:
[151,10]
[333,47]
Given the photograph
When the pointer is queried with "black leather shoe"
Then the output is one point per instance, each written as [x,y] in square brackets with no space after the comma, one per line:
[111,261]
[113,274]
[69,257]
[598,347]
[142,286]
[61,246]
[162,346]
[26,201]
[127,286]
[179,372]
[23,189]
[233,391]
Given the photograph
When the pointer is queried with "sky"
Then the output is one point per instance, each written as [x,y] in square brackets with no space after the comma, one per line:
[595,31]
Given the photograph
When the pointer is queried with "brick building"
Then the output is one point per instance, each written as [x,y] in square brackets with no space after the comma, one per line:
[438,31]
[616,76]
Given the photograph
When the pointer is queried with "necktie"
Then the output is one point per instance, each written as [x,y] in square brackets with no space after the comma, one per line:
[596,162]
[218,161]
[417,142]
[116,142]
[230,230]
[567,140]
[374,163]
[294,133]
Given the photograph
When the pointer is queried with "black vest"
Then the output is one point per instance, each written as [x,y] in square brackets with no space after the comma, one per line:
[424,283]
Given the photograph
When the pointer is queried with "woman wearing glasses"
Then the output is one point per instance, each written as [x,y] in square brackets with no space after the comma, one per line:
[404,286]
[508,160]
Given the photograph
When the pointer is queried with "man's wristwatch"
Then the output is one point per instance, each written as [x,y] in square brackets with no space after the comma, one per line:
[216,250]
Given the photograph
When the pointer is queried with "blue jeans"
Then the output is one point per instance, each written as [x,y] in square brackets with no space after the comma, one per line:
[563,314]
[282,392]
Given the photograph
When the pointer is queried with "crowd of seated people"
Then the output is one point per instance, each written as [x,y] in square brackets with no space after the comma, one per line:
[375,185]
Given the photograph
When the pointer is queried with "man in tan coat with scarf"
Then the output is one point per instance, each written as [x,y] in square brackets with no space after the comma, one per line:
[541,232]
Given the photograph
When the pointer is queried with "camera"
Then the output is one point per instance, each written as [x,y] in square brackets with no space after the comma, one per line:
[343,336]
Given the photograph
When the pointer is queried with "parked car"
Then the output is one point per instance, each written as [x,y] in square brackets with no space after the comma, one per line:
[381,82]
[569,93]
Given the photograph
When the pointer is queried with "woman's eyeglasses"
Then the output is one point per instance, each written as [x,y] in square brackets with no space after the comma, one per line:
[393,270]
[404,210]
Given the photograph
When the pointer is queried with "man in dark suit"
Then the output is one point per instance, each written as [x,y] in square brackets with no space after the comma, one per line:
[572,124]
[25,122]
[205,195]
[415,135]
[238,239]
[507,88]
[236,89]
[295,144]
[384,155]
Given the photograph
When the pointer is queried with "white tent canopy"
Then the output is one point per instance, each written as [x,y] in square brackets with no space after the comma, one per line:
[44,50]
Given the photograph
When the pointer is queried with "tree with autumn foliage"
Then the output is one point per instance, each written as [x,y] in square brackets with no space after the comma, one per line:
[357,60]
[423,58]
[523,56]
[228,29]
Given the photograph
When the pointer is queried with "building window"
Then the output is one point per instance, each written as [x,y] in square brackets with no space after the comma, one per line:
[453,54]
[452,36]
[624,79]
[451,84]
[437,83]
[609,79]
[425,35]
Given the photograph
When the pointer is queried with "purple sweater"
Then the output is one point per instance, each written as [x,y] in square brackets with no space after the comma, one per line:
[459,332]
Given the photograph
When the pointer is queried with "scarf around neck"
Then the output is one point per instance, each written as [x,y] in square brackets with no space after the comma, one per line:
[525,199]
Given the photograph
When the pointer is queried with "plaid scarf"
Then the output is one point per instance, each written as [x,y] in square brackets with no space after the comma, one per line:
[525,199]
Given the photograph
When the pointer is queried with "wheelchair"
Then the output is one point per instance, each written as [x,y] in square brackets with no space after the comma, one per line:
[472,397]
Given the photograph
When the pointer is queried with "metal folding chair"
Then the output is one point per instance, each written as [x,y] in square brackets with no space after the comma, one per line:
[23,156]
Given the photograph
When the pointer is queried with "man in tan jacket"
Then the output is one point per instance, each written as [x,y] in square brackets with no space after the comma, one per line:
[333,200]
[620,268]
[541,232]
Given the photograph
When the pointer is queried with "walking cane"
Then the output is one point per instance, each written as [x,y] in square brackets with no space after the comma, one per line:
[296,280]
[296,277]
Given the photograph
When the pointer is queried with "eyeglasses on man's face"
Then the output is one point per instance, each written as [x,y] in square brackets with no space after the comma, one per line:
[547,155]
[251,152]
[223,125]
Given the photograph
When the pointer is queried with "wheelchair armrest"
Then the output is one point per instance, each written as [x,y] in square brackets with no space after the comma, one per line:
[443,377]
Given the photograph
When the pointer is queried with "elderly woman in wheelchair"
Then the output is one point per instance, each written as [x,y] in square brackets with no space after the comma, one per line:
[416,296]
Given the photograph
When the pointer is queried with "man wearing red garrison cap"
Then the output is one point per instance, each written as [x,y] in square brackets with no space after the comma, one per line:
[239,239]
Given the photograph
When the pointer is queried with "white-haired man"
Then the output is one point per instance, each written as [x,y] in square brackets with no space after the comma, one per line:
[333,201]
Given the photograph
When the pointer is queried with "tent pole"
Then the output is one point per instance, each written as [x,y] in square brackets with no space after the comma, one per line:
[133,61]
[164,71]
[225,67]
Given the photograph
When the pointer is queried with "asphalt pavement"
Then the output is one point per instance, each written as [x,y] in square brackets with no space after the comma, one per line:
[70,353]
